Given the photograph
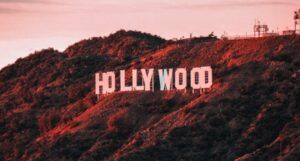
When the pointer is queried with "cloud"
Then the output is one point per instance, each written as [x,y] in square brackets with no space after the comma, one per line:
[87,6]
[213,4]
[33,2]
[9,10]
[259,3]
[29,6]
[24,1]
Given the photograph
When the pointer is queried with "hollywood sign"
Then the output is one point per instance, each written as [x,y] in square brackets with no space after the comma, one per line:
[200,78]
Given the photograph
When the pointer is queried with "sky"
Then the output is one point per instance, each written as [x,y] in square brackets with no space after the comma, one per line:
[31,25]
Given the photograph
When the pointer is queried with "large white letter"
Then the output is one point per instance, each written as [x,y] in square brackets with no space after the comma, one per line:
[180,78]
[135,82]
[100,82]
[147,78]
[122,81]
[195,76]
[201,77]
[165,79]
[206,77]
[110,80]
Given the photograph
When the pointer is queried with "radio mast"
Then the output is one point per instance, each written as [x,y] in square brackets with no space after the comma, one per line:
[297,20]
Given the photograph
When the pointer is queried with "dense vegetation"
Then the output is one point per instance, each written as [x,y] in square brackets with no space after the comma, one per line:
[48,109]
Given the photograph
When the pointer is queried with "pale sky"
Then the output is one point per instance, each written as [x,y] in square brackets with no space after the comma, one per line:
[29,25]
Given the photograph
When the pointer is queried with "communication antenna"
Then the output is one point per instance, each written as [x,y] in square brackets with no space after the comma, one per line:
[297,20]
[259,29]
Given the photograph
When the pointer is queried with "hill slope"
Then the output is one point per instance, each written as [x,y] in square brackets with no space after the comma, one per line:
[48,109]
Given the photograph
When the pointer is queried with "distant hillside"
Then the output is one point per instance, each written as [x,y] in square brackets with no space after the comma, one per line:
[48,109]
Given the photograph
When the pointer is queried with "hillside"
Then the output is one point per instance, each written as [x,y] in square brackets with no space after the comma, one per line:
[48,109]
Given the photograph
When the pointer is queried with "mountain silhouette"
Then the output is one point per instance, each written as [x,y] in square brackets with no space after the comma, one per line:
[49,110]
